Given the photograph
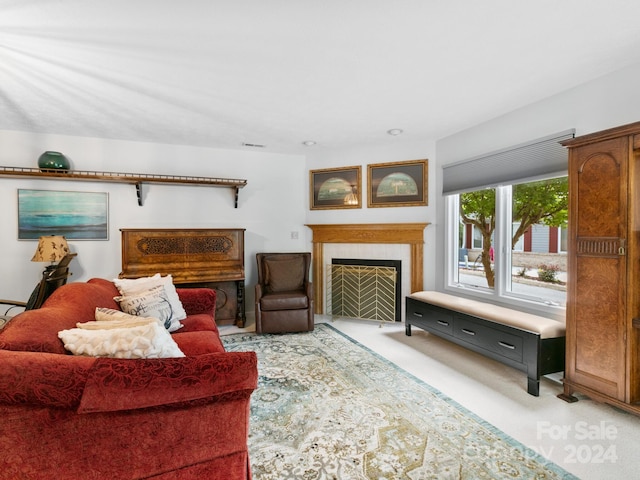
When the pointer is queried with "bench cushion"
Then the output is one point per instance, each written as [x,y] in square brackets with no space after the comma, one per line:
[546,327]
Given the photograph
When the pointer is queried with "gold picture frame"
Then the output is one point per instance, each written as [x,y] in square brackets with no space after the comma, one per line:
[335,188]
[398,184]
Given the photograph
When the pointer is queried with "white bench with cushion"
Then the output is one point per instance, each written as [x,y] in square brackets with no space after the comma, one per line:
[531,343]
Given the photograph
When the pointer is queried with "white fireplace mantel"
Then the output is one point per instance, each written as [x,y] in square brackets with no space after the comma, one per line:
[403,233]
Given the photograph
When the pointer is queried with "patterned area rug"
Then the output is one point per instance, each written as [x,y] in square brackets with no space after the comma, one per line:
[329,408]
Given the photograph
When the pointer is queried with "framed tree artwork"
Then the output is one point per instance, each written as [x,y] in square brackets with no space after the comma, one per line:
[332,188]
[398,184]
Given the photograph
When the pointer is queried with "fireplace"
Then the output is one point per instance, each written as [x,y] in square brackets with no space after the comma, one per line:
[372,240]
[365,288]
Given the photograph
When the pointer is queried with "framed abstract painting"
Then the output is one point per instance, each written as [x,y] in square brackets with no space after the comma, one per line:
[76,215]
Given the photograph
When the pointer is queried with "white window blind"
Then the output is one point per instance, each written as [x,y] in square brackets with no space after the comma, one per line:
[529,161]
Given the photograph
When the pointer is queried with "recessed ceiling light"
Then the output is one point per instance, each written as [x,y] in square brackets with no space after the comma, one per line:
[394,131]
[309,143]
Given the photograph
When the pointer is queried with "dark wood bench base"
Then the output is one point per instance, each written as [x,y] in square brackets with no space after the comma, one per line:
[510,345]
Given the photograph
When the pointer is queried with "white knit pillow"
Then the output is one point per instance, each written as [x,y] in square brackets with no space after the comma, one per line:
[143,338]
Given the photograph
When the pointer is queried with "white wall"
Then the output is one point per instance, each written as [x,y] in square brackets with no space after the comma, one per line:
[270,207]
[607,102]
[392,151]
[276,199]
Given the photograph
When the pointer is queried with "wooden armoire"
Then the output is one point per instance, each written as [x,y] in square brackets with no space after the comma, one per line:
[603,290]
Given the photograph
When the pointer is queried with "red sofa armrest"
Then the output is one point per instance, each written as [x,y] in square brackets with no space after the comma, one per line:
[109,384]
[117,384]
[43,379]
[198,300]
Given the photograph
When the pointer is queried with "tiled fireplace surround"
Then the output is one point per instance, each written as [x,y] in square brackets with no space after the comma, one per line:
[387,241]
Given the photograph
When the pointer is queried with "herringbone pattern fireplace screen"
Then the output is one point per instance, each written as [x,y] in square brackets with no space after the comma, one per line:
[359,291]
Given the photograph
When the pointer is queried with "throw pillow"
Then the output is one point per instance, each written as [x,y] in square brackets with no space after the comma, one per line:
[131,286]
[140,338]
[151,303]
[110,314]
[284,274]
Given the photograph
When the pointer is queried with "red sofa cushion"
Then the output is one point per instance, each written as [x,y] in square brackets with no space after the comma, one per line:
[37,330]
[198,343]
[198,323]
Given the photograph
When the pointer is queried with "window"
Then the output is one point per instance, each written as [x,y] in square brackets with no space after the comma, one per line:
[512,252]
[563,239]
[506,216]
[519,245]
[477,237]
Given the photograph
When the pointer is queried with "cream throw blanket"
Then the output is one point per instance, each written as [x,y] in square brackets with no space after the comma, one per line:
[138,337]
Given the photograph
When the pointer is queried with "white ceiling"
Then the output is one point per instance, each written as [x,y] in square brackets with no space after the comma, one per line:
[218,73]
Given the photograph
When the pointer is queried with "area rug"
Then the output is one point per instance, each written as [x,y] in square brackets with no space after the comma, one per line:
[327,407]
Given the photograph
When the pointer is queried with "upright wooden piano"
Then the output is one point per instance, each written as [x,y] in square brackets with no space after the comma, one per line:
[211,258]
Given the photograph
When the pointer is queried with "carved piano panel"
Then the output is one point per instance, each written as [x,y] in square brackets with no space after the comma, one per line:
[211,258]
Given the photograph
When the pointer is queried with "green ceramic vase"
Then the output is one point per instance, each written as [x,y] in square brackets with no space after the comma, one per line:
[53,161]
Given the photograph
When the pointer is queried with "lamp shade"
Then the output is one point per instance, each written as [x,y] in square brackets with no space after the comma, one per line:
[51,248]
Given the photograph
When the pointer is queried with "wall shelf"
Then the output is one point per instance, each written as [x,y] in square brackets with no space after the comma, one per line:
[136,179]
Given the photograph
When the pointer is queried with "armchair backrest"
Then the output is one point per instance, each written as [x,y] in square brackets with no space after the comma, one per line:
[52,278]
[281,272]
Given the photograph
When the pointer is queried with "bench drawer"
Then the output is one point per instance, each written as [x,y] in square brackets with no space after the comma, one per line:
[429,317]
[503,343]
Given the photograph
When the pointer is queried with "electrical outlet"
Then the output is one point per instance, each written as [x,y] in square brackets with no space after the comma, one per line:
[294,235]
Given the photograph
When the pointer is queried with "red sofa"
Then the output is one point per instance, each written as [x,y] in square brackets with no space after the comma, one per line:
[74,417]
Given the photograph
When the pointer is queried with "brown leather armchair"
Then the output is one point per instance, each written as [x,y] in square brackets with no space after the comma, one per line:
[284,294]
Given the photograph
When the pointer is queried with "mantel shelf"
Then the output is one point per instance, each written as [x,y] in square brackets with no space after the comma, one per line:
[136,179]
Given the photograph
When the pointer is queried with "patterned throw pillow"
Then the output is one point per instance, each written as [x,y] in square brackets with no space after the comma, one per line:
[151,303]
[131,286]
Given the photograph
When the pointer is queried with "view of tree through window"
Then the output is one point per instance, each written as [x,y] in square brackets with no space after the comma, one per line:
[533,229]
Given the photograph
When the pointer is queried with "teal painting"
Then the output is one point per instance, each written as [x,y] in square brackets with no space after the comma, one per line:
[76,215]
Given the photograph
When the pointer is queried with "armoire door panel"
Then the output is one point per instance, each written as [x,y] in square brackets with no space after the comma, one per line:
[599,193]
[598,356]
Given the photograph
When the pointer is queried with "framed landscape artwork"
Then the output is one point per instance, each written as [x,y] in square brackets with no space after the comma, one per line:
[335,188]
[76,215]
[398,184]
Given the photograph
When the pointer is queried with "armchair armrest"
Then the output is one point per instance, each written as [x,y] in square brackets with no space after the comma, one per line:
[198,300]
[259,292]
[13,303]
